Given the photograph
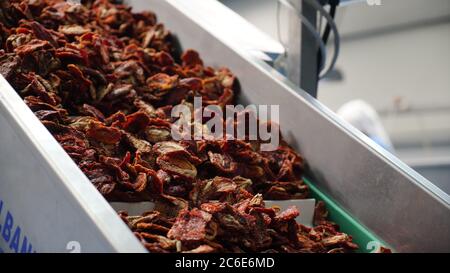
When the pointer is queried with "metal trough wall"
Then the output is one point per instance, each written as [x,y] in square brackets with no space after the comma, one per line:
[54,204]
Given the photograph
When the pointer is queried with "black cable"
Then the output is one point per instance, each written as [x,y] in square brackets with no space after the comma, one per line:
[326,34]
[327,31]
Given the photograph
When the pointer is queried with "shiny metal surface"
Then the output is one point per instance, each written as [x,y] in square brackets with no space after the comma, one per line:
[302,48]
[391,199]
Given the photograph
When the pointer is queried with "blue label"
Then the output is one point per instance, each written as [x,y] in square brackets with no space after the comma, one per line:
[1,207]
[13,237]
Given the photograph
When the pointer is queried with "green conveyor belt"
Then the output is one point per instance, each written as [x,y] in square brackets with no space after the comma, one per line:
[348,224]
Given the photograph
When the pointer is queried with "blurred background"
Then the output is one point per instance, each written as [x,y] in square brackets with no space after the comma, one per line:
[396,57]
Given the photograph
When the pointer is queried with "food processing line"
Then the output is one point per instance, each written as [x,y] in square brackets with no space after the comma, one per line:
[48,205]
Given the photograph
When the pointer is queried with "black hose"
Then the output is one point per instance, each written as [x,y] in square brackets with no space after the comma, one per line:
[326,35]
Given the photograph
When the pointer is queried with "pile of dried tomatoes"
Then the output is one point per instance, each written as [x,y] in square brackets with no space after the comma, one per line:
[103,80]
